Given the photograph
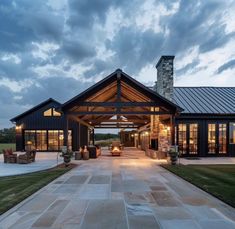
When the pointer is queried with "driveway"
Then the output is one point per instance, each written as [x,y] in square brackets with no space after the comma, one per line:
[132,191]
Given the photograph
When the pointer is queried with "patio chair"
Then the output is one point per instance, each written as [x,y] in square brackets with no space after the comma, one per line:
[9,156]
[27,158]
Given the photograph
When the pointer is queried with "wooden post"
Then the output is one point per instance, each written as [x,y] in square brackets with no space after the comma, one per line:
[93,136]
[173,130]
[66,130]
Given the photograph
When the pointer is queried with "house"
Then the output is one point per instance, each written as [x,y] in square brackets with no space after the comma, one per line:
[200,120]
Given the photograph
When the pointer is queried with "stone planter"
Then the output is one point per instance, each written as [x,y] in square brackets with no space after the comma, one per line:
[173,157]
[78,155]
[153,154]
[85,155]
[67,160]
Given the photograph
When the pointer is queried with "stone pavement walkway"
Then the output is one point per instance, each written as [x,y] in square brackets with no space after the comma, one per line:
[128,192]
[44,160]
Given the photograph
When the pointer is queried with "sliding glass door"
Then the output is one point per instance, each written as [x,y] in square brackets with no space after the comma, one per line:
[46,140]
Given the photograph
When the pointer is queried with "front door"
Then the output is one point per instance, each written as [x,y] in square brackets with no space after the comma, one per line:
[188,139]
[217,139]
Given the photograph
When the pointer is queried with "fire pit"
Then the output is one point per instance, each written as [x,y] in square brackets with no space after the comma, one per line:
[116,149]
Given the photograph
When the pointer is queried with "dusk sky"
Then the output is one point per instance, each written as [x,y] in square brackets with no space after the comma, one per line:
[58,48]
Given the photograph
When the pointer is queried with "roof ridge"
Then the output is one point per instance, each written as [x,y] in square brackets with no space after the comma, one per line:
[202,87]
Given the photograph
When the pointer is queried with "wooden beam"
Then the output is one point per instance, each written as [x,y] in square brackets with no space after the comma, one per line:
[75,118]
[117,104]
[119,113]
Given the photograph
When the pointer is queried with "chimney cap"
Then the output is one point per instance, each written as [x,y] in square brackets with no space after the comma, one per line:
[164,58]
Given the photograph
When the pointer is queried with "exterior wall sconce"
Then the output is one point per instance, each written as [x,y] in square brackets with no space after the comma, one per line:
[18,127]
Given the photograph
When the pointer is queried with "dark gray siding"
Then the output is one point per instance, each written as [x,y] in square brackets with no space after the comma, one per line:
[36,121]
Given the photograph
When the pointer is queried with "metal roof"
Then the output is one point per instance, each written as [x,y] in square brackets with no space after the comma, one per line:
[205,100]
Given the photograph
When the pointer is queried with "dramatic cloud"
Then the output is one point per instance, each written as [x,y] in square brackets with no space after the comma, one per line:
[56,49]
[228,65]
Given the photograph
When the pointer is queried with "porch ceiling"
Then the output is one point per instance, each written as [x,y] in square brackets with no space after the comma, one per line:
[118,102]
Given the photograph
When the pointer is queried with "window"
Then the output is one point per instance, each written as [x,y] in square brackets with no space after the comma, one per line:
[222,138]
[29,139]
[44,140]
[182,141]
[211,138]
[55,113]
[51,112]
[48,112]
[232,132]
[193,135]
[41,139]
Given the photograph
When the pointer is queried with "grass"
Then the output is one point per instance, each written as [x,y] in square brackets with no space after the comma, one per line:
[14,189]
[218,180]
[7,146]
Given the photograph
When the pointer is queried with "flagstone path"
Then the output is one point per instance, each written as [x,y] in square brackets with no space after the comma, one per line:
[132,191]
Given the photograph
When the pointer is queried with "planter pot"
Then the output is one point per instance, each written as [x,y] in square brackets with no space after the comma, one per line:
[173,158]
[78,156]
[67,160]
[85,155]
[153,155]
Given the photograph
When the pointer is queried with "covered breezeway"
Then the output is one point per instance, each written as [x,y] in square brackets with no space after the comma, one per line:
[119,101]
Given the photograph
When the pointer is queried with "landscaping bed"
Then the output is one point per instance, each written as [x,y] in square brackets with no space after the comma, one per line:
[14,189]
[218,180]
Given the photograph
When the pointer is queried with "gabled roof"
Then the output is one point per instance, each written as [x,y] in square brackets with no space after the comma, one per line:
[34,109]
[110,79]
[205,100]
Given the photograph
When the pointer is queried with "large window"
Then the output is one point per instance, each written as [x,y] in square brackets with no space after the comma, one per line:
[193,138]
[30,138]
[44,140]
[232,132]
[211,138]
[182,139]
[41,139]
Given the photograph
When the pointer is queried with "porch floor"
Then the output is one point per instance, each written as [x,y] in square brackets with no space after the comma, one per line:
[131,191]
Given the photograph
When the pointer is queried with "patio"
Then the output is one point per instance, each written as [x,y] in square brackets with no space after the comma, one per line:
[44,160]
[131,191]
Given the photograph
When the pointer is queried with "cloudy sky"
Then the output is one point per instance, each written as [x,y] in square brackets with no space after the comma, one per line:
[51,48]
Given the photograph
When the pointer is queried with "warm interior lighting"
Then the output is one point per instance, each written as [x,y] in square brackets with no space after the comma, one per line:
[115,149]
[168,128]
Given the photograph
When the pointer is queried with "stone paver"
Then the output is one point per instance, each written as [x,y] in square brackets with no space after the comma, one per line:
[131,191]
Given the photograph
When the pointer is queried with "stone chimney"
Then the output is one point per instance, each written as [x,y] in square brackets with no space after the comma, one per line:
[164,84]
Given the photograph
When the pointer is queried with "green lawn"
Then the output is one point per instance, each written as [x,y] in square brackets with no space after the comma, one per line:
[7,146]
[218,180]
[14,189]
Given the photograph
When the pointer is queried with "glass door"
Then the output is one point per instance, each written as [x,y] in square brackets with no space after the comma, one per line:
[217,139]
[222,147]
[193,138]
[188,139]
[212,138]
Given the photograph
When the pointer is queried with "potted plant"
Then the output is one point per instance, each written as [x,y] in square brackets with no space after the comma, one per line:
[173,154]
[66,154]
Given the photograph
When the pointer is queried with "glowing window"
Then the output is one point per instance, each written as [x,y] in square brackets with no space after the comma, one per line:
[55,113]
[48,112]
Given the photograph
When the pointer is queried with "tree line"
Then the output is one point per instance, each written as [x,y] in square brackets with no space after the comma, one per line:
[7,135]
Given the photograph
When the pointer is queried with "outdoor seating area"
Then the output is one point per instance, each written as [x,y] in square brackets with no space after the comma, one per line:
[26,158]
